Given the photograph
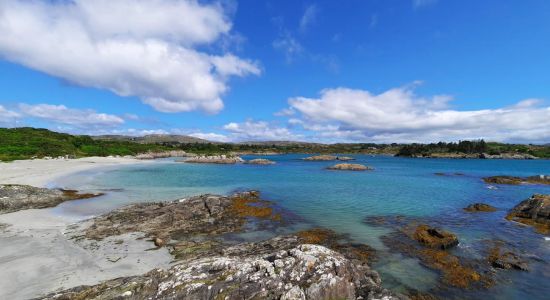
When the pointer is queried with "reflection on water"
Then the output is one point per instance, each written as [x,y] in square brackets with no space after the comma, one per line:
[342,200]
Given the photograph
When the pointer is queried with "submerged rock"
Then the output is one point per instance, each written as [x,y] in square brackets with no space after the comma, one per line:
[14,197]
[350,167]
[506,259]
[480,207]
[503,179]
[534,211]
[434,237]
[260,161]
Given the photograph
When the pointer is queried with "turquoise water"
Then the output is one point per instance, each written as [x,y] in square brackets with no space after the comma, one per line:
[342,200]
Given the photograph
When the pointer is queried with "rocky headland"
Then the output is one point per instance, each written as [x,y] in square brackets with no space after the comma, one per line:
[163,154]
[460,155]
[350,167]
[14,197]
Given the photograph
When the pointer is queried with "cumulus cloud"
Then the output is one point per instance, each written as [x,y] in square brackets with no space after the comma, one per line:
[143,48]
[251,130]
[210,136]
[399,115]
[79,118]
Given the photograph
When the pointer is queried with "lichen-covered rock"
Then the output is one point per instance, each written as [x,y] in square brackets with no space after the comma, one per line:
[534,211]
[260,161]
[480,207]
[302,271]
[14,197]
[350,167]
[434,237]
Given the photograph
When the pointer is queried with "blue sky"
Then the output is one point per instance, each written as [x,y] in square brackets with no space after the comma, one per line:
[329,71]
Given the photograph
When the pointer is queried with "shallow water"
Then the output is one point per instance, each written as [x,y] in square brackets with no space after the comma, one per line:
[342,200]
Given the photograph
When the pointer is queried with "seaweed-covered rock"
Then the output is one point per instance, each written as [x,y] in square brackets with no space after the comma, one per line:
[534,211]
[434,237]
[350,167]
[321,158]
[14,197]
[214,159]
[513,180]
[480,207]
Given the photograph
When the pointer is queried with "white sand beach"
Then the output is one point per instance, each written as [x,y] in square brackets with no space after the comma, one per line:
[38,252]
[40,172]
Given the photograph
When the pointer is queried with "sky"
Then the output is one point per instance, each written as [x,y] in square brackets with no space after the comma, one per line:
[377,71]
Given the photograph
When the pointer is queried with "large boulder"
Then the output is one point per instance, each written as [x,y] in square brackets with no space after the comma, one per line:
[434,237]
[534,211]
[350,167]
[304,271]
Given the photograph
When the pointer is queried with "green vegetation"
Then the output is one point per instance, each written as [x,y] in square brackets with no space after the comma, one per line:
[473,147]
[25,143]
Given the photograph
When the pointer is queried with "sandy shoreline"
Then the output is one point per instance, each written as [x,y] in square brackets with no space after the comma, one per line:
[41,172]
[38,253]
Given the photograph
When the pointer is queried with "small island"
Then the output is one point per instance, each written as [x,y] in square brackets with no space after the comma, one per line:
[350,167]
[260,161]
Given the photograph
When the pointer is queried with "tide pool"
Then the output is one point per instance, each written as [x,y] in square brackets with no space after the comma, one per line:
[341,200]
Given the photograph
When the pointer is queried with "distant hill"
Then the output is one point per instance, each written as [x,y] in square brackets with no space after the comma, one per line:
[154,138]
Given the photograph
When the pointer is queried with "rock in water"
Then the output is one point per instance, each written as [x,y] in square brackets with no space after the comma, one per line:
[513,180]
[350,167]
[214,159]
[260,161]
[321,158]
[434,237]
[158,242]
[479,207]
[534,211]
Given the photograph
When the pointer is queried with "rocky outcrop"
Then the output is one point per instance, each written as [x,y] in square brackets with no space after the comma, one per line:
[503,179]
[163,154]
[284,267]
[534,211]
[260,161]
[203,215]
[434,237]
[303,271]
[14,197]
[328,158]
[214,159]
[350,167]
[480,207]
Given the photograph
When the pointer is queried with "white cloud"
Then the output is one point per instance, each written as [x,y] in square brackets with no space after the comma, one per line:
[258,131]
[216,137]
[309,17]
[289,46]
[286,112]
[79,118]
[8,117]
[399,115]
[137,48]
